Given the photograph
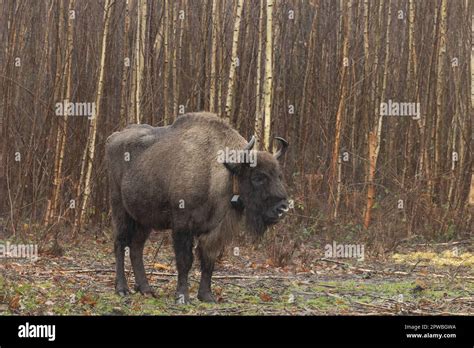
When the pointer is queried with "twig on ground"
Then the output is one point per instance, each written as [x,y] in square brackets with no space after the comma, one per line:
[395,272]
[169,274]
[445,244]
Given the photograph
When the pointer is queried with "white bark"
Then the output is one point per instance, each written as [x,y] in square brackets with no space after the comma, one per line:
[93,125]
[267,94]
[233,65]
[258,95]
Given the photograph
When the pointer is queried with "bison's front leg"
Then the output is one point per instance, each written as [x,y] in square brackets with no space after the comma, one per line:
[208,259]
[183,249]
[210,246]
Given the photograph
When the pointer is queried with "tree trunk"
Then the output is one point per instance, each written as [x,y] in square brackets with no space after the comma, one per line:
[235,43]
[90,148]
[125,67]
[213,77]
[58,95]
[178,38]
[304,106]
[68,77]
[341,105]
[140,56]
[376,134]
[167,6]
[440,76]
[268,79]
[258,76]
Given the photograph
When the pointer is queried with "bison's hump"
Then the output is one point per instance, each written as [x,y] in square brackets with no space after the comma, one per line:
[133,134]
[139,126]
[202,119]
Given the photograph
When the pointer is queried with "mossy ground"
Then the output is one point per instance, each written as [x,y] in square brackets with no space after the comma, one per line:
[81,282]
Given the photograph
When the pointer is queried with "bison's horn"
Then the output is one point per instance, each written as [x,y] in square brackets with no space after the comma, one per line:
[235,167]
[250,145]
[282,150]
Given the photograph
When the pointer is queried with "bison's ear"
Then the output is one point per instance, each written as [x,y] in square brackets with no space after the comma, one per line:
[234,168]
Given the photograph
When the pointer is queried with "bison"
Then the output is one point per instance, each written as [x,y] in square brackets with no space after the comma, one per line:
[171,178]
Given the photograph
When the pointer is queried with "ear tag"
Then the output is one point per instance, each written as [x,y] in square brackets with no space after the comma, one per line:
[237,203]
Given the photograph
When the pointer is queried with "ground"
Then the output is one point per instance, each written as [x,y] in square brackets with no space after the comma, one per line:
[432,280]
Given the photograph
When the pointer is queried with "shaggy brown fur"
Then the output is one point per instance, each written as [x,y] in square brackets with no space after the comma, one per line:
[173,180]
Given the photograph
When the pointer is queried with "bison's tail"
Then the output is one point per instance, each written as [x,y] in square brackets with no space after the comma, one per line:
[124,225]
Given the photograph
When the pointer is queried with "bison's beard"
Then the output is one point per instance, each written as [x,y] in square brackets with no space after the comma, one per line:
[255,224]
[254,221]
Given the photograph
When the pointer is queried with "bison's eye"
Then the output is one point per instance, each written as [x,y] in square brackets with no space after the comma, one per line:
[259,179]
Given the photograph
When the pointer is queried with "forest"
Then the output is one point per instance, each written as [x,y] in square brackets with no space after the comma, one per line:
[376,99]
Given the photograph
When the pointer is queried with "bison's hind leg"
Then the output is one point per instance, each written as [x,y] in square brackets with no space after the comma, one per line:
[124,227]
[136,257]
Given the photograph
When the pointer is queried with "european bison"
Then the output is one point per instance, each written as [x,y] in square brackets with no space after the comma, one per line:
[171,178]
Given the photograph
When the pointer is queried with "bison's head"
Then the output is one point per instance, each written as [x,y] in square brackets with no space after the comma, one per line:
[261,187]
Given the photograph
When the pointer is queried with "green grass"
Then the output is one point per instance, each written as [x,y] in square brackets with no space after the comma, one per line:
[262,297]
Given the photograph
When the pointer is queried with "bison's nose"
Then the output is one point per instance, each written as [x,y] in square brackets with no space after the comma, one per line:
[281,208]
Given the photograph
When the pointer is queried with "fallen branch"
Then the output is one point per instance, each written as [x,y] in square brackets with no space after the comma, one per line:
[168,274]
[251,277]
[445,244]
[395,272]
[352,301]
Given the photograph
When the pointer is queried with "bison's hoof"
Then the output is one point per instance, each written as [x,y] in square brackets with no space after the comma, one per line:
[206,297]
[145,290]
[123,291]
[182,299]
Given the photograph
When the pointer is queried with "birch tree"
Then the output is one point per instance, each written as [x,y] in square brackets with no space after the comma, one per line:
[125,66]
[341,105]
[167,9]
[213,75]
[178,39]
[67,97]
[140,56]
[58,94]
[90,148]
[258,77]
[440,81]
[268,79]
[234,60]
[471,109]
[374,137]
